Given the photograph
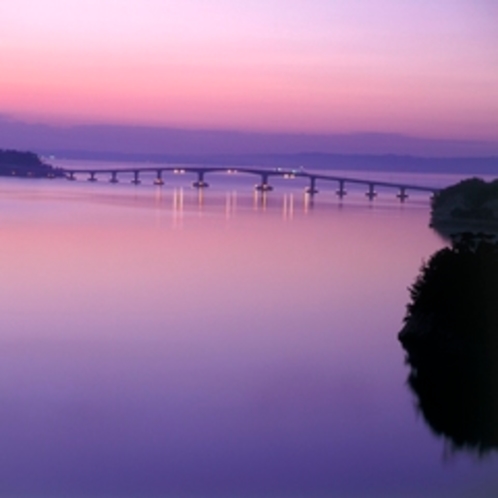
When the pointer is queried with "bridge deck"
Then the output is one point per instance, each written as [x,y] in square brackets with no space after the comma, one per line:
[261,172]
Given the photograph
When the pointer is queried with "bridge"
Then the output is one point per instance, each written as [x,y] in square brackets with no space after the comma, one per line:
[264,175]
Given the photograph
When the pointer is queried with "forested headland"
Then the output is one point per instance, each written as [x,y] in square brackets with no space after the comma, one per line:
[450,336]
[469,201]
[25,164]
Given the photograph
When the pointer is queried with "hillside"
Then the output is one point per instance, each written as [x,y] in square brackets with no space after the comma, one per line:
[469,202]
[25,164]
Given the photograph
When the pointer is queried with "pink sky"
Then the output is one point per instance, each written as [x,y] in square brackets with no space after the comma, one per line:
[416,67]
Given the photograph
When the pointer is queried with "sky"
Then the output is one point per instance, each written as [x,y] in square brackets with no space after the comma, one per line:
[414,67]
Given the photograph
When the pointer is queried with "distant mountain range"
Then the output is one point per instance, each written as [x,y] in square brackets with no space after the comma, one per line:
[389,163]
[388,152]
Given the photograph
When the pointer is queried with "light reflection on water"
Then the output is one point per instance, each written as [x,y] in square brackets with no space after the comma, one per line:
[171,342]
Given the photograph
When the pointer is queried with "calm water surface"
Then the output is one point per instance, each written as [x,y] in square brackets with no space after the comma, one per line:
[157,342]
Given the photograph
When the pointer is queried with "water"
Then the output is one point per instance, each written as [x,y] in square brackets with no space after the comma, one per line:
[165,342]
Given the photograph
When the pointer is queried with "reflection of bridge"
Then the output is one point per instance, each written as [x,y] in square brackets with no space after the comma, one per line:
[263,174]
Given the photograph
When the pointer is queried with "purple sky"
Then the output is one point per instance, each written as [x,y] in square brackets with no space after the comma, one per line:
[419,68]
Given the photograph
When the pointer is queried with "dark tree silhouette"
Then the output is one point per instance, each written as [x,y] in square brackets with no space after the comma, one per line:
[451,340]
[25,164]
[469,200]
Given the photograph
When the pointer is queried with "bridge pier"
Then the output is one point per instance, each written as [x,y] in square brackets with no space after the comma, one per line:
[136,177]
[200,183]
[264,186]
[159,177]
[341,192]
[402,194]
[311,190]
[112,175]
[371,194]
